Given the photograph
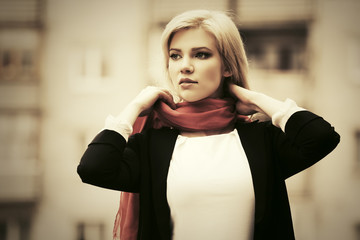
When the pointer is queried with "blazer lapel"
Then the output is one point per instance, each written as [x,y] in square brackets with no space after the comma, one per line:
[254,147]
[161,148]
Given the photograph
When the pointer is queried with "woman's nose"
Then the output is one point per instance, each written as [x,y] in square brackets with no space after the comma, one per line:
[187,66]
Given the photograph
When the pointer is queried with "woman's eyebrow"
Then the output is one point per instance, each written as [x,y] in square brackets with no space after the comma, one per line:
[201,48]
[174,49]
[192,49]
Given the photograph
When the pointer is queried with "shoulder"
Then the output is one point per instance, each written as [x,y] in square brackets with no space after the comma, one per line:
[158,135]
[257,134]
[164,132]
[255,125]
[298,118]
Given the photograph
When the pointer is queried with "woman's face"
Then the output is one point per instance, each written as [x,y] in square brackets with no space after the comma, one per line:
[195,65]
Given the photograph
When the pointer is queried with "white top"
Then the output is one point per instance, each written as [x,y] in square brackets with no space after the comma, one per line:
[209,189]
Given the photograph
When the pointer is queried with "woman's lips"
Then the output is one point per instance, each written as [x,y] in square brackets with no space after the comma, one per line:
[187,81]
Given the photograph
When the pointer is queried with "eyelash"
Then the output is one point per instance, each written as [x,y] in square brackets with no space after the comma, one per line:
[203,55]
[174,56]
[199,55]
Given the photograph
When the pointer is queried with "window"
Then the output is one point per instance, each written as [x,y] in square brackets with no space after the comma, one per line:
[164,10]
[357,142]
[357,231]
[91,69]
[18,130]
[17,65]
[280,48]
[2,230]
[353,59]
[15,221]
[18,172]
[90,231]
[20,13]
[19,51]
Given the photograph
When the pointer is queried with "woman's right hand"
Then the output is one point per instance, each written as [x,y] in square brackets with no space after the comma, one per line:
[142,104]
[145,100]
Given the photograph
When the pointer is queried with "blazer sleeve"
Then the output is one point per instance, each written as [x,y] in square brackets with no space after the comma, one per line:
[111,162]
[307,139]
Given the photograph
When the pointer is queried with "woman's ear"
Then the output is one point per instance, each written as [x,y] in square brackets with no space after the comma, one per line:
[227,74]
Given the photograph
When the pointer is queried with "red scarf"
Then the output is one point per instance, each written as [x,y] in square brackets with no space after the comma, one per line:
[206,114]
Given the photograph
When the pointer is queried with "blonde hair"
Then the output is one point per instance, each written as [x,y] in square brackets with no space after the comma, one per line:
[227,36]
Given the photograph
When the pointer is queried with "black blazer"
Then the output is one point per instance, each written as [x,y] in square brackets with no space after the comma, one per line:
[142,164]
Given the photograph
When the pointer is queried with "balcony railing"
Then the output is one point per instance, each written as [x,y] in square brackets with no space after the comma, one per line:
[21,13]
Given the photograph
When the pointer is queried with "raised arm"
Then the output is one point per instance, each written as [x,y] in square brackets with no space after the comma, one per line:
[250,102]
[305,137]
[110,161]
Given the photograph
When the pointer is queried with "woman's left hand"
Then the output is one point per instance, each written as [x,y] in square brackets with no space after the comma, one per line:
[245,99]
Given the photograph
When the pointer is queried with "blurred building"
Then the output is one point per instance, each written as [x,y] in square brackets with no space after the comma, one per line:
[65,65]
[21,37]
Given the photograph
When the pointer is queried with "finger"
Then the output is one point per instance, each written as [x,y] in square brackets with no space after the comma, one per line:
[166,96]
[145,112]
[244,109]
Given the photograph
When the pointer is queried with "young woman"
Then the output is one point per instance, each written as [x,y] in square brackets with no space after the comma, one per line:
[201,169]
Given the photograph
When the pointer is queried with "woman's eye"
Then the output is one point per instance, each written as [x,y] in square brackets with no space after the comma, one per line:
[174,56]
[202,55]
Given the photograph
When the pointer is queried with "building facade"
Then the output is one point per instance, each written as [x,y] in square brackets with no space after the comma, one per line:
[65,65]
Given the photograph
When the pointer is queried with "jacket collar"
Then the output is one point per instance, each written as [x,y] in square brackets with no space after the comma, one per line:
[255,151]
[162,144]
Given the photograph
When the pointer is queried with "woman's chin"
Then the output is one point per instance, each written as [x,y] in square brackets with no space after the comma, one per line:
[194,98]
[191,99]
